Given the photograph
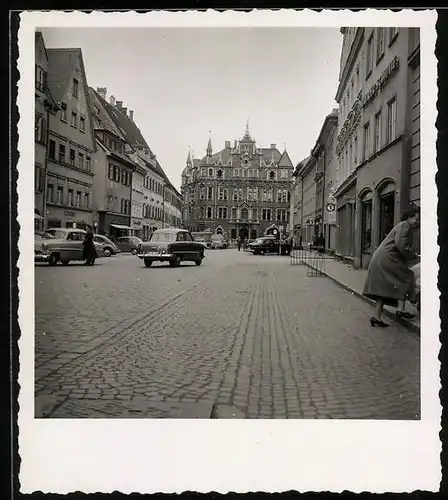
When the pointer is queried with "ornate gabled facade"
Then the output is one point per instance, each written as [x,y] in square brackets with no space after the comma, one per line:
[241,190]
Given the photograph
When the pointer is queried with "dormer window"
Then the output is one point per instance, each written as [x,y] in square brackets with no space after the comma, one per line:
[271,174]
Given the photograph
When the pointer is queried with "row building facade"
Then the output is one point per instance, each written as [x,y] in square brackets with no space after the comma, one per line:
[242,190]
[378,137]
[92,165]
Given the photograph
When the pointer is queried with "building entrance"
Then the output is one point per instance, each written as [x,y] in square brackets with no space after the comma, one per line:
[244,232]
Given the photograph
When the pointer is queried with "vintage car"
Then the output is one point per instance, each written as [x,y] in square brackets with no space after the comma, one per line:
[201,241]
[269,244]
[128,244]
[217,242]
[171,245]
[61,245]
[109,247]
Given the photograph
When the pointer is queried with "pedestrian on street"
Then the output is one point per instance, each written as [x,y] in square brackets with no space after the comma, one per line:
[89,251]
[389,277]
[239,244]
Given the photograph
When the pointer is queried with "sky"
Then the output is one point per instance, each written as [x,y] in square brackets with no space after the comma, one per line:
[184,83]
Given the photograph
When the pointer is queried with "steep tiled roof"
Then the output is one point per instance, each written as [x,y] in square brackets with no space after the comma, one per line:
[61,63]
[285,160]
[267,154]
[128,127]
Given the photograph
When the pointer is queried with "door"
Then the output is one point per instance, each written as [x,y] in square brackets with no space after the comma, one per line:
[387,203]
[73,246]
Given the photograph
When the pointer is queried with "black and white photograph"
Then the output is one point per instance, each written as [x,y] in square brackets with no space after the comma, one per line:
[229,218]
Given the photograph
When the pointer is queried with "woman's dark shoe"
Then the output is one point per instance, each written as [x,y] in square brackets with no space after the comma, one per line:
[405,315]
[378,322]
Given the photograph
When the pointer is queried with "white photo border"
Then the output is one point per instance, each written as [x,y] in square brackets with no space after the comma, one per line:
[172,456]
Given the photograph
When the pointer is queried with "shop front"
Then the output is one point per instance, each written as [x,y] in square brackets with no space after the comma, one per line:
[346,223]
[137,227]
[116,225]
[60,217]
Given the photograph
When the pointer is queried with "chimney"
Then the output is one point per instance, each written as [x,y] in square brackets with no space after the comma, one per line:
[234,144]
[119,104]
[227,144]
[273,146]
[124,110]
[131,114]
[112,100]
[102,91]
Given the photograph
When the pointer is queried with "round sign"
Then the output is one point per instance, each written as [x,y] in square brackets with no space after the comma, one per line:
[330,207]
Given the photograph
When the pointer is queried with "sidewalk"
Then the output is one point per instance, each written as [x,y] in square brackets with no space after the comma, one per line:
[353,280]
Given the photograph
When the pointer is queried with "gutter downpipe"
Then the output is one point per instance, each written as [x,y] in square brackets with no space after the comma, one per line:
[323,197]
[47,141]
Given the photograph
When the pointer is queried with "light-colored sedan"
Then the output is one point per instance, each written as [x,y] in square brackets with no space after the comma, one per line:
[109,247]
[62,245]
[128,244]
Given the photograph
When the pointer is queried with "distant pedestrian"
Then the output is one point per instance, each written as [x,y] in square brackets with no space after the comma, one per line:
[239,244]
[389,277]
[89,251]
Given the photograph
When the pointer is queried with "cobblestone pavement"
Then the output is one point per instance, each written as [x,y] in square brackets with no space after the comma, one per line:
[247,333]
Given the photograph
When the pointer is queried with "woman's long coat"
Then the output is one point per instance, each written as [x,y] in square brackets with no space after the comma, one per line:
[89,250]
[389,276]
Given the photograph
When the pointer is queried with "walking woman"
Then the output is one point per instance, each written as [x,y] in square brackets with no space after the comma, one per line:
[389,277]
[89,250]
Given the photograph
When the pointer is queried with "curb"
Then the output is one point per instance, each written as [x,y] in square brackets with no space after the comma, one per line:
[404,322]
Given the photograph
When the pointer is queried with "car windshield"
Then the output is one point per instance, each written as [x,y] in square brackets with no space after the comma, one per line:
[260,241]
[163,237]
[55,234]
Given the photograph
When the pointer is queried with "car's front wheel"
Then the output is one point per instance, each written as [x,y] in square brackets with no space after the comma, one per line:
[148,262]
[175,262]
[134,251]
[107,252]
[53,260]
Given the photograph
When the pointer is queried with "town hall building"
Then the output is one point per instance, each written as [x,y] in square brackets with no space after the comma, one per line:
[241,190]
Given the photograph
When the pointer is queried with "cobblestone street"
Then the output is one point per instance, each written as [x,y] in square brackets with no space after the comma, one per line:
[240,336]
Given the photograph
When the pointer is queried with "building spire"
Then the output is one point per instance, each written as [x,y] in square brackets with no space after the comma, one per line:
[209,145]
[189,161]
[247,133]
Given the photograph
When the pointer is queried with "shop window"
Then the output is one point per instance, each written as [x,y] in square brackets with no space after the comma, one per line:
[387,205]
[366,222]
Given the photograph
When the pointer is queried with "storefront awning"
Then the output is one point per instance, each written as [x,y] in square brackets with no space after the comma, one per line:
[119,226]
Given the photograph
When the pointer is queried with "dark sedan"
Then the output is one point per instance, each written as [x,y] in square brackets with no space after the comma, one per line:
[269,244]
[171,245]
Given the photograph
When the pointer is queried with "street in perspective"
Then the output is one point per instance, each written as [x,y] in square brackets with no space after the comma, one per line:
[221,278]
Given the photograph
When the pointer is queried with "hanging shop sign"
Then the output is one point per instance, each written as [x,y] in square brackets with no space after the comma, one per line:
[391,69]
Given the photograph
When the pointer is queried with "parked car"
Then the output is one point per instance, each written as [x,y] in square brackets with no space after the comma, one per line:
[109,247]
[62,245]
[217,242]
[171,245]
[269,244]
[202,241]
[128,244]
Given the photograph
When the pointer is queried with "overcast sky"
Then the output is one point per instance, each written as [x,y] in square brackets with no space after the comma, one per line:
[183,82]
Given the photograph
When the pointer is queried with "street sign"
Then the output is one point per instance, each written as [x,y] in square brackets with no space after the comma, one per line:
[331,207]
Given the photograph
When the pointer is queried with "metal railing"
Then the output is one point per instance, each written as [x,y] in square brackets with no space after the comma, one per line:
[311,257]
